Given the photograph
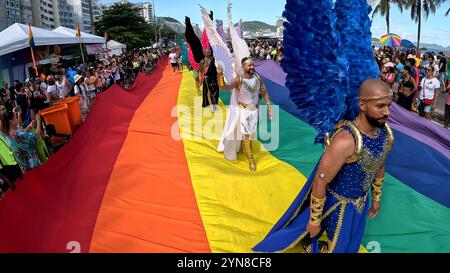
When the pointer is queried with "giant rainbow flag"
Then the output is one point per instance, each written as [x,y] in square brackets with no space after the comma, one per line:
[124,183]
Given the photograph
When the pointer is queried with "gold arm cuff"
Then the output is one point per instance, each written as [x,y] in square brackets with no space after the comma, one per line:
[263,86]
[220,80]
[378,181]
[377,189]
[317,205]
[376,196]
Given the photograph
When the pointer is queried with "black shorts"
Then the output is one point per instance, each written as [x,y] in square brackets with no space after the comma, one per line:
[174,64]
[12,172]
[447,111]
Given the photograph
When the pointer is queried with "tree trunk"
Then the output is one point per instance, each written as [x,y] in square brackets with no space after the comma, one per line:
[387,20]
[418,31]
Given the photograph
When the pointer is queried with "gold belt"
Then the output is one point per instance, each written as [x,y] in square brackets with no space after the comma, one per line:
[359,202]
[247,106]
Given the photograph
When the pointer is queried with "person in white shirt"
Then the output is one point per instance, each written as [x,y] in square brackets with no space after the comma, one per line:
[173,58]
[428,94]
[43,85]
[52,90]
[434,64]
[107,76]
[80,90]
[116,73]
[62,85]
[90,87]
[257,51]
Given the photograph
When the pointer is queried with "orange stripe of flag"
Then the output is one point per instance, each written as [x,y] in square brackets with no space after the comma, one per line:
[78,32]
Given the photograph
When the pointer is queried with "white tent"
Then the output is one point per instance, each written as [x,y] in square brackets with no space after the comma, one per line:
[86,38]
[116,47]
[114,44]
[15,38]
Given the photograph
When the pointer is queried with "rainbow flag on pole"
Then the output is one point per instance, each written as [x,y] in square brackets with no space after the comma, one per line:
[78,32]
[30,36]
[32,45]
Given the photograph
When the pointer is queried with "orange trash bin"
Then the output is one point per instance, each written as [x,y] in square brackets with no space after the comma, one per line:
[57,115]
[73,111]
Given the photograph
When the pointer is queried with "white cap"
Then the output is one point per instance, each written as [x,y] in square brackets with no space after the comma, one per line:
[76,78]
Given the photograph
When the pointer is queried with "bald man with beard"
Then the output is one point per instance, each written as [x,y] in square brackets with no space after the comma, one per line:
[335,198]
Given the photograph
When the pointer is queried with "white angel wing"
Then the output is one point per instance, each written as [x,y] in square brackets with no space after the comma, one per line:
[213,36]
[240,47]
[222,54]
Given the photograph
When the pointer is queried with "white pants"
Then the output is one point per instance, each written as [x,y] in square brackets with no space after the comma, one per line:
[248,120]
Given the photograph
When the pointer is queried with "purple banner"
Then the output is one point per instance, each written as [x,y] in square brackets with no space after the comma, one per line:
[402,120]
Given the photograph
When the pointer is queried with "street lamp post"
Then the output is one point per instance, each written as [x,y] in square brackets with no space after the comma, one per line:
[154,21]
[91,15]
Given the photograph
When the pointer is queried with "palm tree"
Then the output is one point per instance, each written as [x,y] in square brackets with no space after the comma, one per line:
[421,8]
[448,12]
[384,8]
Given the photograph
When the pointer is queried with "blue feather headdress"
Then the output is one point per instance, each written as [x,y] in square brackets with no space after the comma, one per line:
[355,52]
[328,55]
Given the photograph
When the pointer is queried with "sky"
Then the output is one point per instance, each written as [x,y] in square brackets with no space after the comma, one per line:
[436,29]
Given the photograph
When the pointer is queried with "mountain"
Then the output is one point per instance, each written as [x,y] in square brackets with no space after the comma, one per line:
[254,26]
[169,19]
[172,23]
[434,47]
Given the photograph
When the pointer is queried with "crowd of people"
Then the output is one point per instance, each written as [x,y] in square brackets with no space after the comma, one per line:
[266,49]
[416,80]
[25,140]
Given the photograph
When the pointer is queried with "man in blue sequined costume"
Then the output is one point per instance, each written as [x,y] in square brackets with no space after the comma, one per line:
[335,199]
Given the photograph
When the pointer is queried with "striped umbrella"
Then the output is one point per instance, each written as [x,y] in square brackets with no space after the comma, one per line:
[391,39]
